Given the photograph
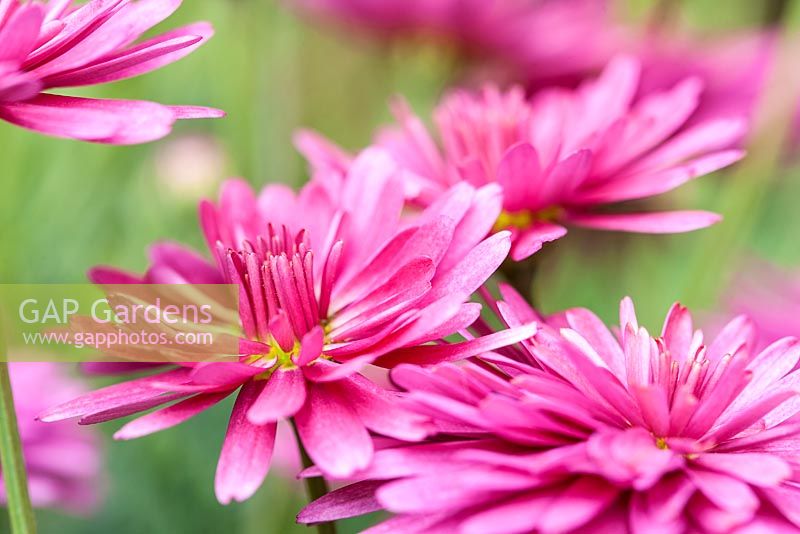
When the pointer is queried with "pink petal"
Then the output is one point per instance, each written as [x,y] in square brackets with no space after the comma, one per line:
[531,240]
[593,330]
[170,416]
[129,408]
[100,121]
[193,267]
[787,500]
[320,152]
[380,410]
[767,470]
[518,174]
[282,396]
[645,184]
[333,435]
[310,346]
[512,516]
[246,451]
[473,270]
[110,275]
[144,57]
[578,504]
[223,374]
[708,136]
[665,222]
[405,286]
[327,371]
[429,354]
[115,396]
[739,332]
[771,365]
[20,33]
[678,332]
[476,224]
[434,491]
[349,501]
[667,499]
[725,491]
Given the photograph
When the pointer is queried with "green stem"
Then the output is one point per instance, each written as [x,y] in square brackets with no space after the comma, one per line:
[775,11]
[520,276]
[315,486]
[15,479]
[665,14]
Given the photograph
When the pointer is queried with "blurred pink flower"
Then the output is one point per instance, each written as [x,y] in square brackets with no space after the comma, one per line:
[516,35]
[600,433]
[513,40]
[61,43]
[770,297]
[331,281]
[564,154]
[734,69]
[63,461]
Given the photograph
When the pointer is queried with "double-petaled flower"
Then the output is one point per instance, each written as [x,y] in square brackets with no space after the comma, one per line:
[330,281]
[582,430]
[564,155]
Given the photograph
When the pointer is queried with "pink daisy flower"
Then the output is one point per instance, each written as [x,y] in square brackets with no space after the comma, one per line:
[62,460]
[564,154]
[331,281]
[61,43]
[597,433]
[515,35]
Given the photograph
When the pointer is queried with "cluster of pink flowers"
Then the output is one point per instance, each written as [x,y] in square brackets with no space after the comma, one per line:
[550,424]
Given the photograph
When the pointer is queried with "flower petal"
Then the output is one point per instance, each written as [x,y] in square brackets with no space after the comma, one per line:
[246,452]
[170,416]
[282,396]
[664,222]
[333,435]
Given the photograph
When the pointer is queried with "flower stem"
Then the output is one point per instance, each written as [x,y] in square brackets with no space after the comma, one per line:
[315,486]
[665,13]
[15,479]
[520,275]
[775,11]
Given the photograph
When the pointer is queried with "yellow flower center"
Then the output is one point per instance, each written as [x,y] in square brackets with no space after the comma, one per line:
[276,358]
[525,218]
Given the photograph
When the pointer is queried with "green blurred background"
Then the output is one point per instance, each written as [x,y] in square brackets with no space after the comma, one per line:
[65,206]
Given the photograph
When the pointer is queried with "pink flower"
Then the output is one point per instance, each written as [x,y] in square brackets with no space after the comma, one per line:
[594,432]
[770,297]
[516,35]
[61,43]
[564,154]
[63,461]
[513,40]
[331,281]
[734,68]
